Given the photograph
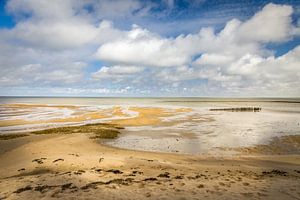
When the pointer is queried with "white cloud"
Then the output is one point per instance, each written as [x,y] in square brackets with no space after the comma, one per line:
[54,35]
[60,10]
[142,47]
[213,59]
[246,65]
[53,42]
[36,73]
[116,72]
[56,25]
[285,67]
[52,10]
[237,39]
[271,24]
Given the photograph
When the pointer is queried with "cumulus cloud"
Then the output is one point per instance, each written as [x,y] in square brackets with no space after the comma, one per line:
[25,75]
[213,59]
[141,47]
[271,24]
[56,36]
[116,72]
[54,42]
[57,25]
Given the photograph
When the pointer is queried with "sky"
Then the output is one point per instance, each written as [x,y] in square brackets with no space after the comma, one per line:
[154,48]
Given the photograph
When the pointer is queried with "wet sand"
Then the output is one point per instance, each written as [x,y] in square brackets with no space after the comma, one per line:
[71,165]
[76,167]
[22,114]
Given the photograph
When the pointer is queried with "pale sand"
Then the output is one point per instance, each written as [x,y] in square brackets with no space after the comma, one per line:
[78,116]
[146,116]
[84,169]
[150,116]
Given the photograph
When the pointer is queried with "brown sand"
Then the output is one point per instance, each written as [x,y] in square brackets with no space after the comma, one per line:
[76,167]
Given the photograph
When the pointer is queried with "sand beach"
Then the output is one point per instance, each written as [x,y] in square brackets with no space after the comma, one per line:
[82,155]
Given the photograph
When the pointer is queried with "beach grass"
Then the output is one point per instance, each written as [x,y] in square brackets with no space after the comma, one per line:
[105,134]
[100,130]
[12,136]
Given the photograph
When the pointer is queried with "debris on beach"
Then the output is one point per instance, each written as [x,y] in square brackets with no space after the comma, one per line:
[99,130]
[241,109]
[59,159]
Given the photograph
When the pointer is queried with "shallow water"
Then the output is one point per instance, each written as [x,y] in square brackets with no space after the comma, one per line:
[194,132]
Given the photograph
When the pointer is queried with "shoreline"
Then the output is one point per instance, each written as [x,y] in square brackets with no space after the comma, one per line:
[278,145]
[159,128]
[75,162]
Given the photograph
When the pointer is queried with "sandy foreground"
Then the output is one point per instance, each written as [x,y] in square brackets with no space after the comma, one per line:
[76,167]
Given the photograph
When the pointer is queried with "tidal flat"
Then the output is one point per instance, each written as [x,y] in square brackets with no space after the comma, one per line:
[154,150]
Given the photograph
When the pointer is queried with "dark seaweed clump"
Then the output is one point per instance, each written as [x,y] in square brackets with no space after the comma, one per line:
[12,136]
[99,130]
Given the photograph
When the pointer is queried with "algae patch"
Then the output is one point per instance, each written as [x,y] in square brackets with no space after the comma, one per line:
[99,130]
[12,136]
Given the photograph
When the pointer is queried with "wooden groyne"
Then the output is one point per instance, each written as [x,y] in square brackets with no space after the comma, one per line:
[241,109]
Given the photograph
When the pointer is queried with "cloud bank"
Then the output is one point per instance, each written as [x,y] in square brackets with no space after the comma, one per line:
[69,46]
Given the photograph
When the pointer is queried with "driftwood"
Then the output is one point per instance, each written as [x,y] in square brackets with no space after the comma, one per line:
[242,109]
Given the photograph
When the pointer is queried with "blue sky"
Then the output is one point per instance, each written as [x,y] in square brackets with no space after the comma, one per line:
[149,48]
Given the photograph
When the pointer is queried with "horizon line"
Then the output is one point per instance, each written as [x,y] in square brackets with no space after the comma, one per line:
[50,96]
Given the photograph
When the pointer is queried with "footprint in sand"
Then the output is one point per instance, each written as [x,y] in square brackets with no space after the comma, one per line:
[79,172]
[246,184]
[178,177]
[26,188]
[59,159]
[148,194]
[74,154]
[115,171]
[261,194]
[39,160]
[137,172]
[221,183]
[150,179]
[216,187]
[164,175]
[247,194]
[98,170]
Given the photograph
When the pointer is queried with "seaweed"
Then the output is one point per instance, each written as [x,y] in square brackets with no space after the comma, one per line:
[100,130]
[11,136]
